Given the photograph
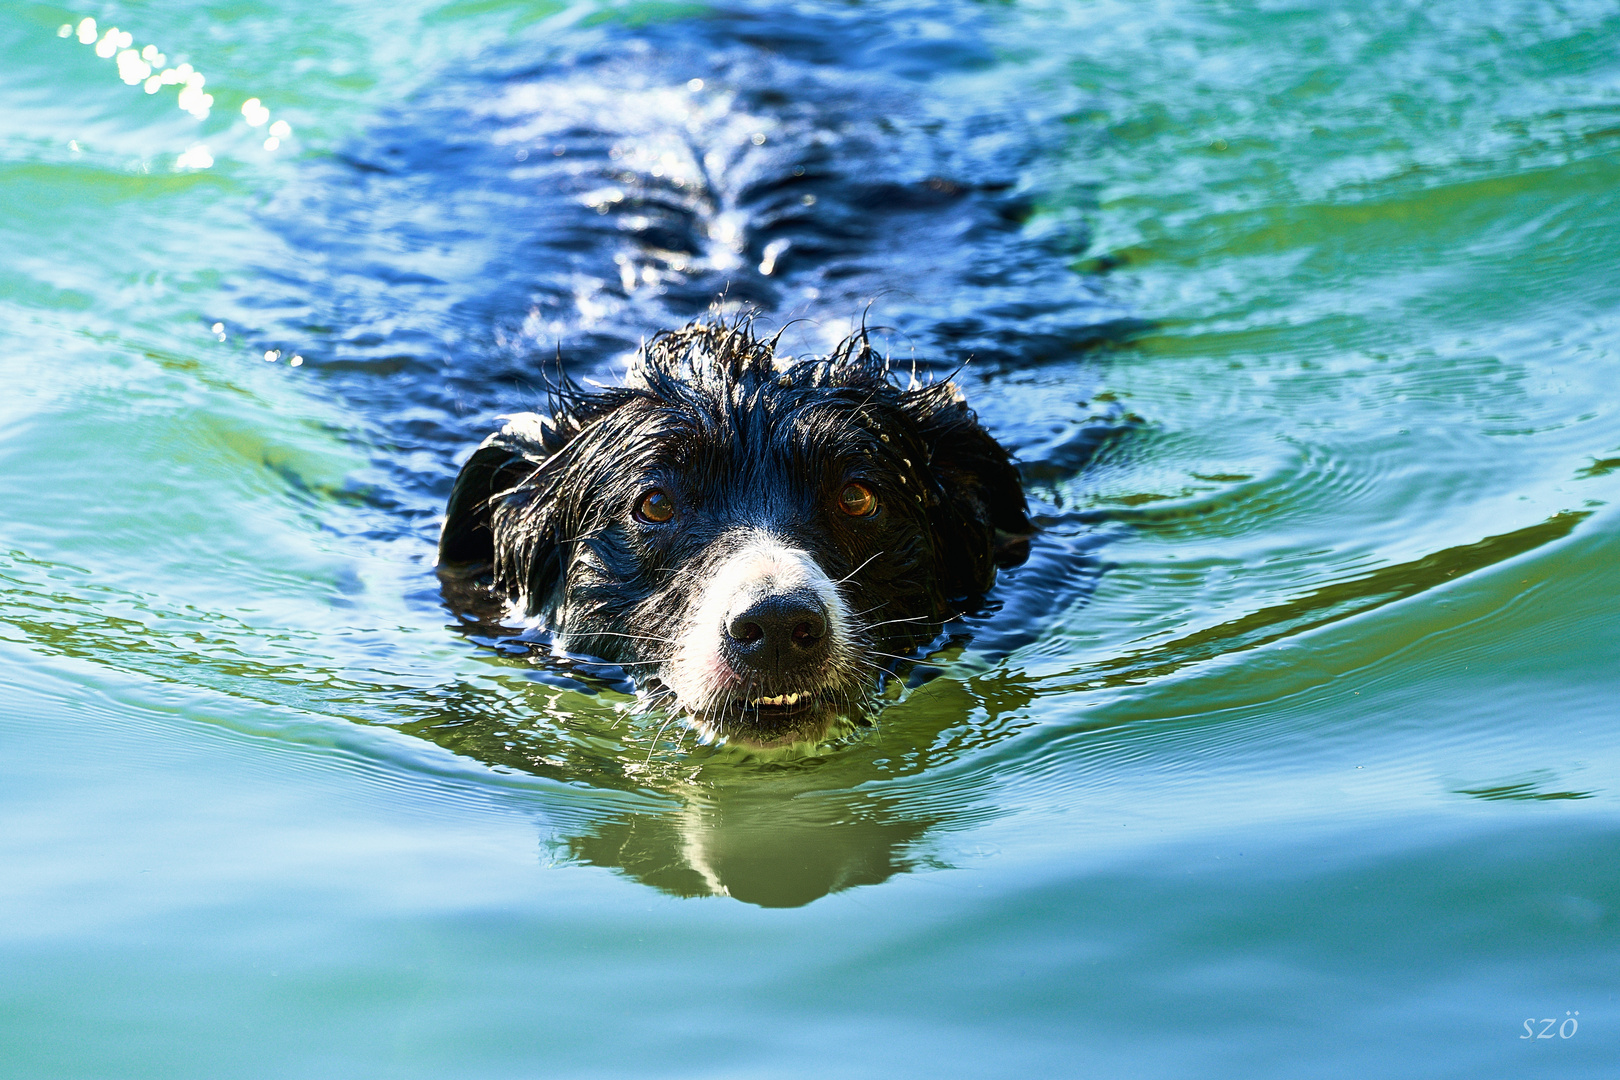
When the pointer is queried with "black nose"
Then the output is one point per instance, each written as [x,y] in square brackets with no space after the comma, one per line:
[778,633]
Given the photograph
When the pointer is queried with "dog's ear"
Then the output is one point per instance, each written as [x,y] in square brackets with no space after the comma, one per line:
[978,513]
[498,471]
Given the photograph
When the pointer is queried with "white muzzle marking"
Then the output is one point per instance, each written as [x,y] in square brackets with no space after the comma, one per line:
[762,565]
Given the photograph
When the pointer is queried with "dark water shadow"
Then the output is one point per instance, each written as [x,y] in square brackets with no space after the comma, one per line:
[559,200]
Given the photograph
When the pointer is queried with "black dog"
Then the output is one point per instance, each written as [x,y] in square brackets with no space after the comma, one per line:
[752,537]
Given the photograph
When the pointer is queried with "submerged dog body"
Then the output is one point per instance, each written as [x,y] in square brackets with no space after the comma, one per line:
[751,536]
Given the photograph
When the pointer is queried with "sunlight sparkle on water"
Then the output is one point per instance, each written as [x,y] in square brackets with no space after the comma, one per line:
[113,40]
[138,68]
[131,68]
[197,157]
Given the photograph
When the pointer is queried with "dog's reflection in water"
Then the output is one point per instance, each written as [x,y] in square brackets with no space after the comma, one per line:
[778,827]
[763,850]
[752,537]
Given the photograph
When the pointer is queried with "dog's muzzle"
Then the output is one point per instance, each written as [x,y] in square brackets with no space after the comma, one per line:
[766,641]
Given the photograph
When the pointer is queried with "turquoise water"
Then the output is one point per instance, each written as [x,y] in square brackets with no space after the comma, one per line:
[1292,752]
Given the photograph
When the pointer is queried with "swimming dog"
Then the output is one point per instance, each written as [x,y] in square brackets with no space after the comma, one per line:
[751,536]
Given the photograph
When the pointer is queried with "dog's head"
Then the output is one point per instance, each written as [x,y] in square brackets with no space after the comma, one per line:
[752,537]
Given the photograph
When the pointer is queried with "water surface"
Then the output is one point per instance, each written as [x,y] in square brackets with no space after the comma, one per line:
[1290,752]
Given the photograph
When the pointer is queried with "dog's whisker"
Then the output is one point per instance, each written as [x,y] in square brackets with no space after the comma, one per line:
[913,658]
[892,622]
[656,738]
[864,563]
[635,637]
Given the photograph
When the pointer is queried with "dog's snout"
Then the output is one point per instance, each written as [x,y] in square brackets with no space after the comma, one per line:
[779,632]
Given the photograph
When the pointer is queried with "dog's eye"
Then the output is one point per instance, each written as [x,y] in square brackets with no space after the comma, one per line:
[857,500]
[656,507]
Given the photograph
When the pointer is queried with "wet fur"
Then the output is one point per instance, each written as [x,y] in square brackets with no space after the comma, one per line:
[755,448]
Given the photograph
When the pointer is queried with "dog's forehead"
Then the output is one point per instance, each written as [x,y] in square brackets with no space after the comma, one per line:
[760,423]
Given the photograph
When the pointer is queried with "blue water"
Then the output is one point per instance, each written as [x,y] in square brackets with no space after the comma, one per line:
[1291,751]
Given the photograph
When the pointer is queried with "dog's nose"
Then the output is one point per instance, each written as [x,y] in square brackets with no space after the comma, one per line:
[779,632]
